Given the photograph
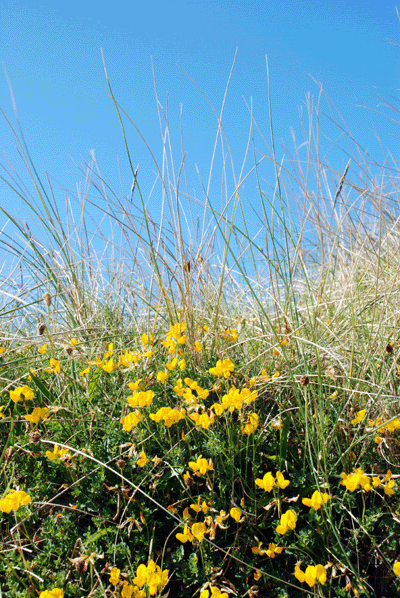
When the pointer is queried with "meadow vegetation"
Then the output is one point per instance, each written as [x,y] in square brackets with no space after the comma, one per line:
[211,413]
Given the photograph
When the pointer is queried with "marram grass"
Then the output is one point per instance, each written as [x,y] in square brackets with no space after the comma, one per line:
[207,415]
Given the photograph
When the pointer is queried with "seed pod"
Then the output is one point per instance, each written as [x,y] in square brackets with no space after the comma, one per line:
[47,299]
[80,565]
[121,464]
[7,455]
[35,436]
[41,328]
[304,380]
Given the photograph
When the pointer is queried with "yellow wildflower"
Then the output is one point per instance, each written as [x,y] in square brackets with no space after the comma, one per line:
[54,593]
[142,459]
[288,521]
[235,513]
[162,376]
[311,575]
[223,368]
[108,366]
[57,454]
[114,576]
[146,340]
[251,426]
[13,500]
[317,500]
[201,465]
[54,366]
[21,393]
[131,421]
[360,416]
[37,415]
[267,482]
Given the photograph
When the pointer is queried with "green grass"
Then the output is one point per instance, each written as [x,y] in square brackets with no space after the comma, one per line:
[273,344]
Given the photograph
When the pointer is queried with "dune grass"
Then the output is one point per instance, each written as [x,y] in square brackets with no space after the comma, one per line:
[192,409]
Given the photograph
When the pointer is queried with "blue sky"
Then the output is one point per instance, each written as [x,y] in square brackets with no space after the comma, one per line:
[51,53]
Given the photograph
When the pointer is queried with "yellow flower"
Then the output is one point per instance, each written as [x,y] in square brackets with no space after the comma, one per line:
[84,372]
[37,415]
[1,409]
[230,334]
[13,500]
[135,385]
[146,340]
[114,577]
[131,421]
[396,568]
[204,420]
[182,364]
[141,399]
[171,365]
[42,350]
[110,350]
[201,465]
[2,350]
[186,536]
[162,376]
[21,393]
[251,426]
[168,415]
[360,416]
[267,483]
[127,590]
[317,500]
[152,576]
[388,488]
[54,366]
[311,575]
[280,480]
[142,459]
[55,593]
[197,507]
[108,366]
[288,521]
[223,368]
[215,593]
[57,454]
[235,513]
[273,550]
[198,531]
[354,481]
[197,347]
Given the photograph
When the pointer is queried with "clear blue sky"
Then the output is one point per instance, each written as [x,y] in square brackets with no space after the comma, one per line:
[52,55]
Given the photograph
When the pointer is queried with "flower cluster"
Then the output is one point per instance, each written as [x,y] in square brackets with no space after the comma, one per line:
[288,521]
[268,481]
[317,500]
[54,593]
[168,416]
[271,551]
[21,393]
[359,479]
[312,575]
[201,466]
[223,368]
[13,500]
